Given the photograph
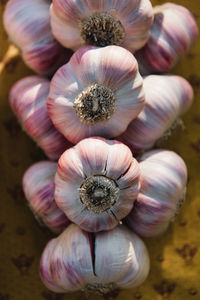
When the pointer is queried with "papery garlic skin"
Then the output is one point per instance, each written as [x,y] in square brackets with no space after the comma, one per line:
[28,26]
[101,23]
[28,101]
[108,260]
[39,187]
[173,33]
[98,93]
[167,98]
[163,185]
[96,183]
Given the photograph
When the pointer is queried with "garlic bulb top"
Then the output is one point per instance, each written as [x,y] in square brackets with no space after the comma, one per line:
[28,101]
[98,93]
[167,98]
[96,183]
[78,260]
[101,23]
[39,187]
[173,33]
[28,26]
[163,186]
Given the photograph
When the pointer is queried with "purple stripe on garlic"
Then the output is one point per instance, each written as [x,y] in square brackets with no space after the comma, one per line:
[173,33]
[98,93]
[163,185]
[101,23]
[28,26]
[77,261]
[28,101]
[96,183]
[39,187]
[167,98]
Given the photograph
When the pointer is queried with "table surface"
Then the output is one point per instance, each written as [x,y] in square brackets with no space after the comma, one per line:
[175,256]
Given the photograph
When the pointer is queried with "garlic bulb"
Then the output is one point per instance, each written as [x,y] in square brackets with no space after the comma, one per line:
[28,101]
[173,33]
[167,98]
[96,183]
[98,93]
[28,26]
[163,185]
[101,23]
[39,187]
[77,260]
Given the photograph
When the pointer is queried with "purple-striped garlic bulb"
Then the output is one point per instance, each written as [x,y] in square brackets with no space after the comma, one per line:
[163,187]
[28,26]
[167,98]
[28,101]
[98,93]
[96,183]
[173,33]
[101,23]
[100,262]
[39,187]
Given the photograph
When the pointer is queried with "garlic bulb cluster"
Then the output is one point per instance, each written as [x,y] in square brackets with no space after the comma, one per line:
[98,93]
[78,260]
[28,101]
[96,183]
[173,33]
[101,23]
[161,194]
[28,26]
[39,187]
[167,98]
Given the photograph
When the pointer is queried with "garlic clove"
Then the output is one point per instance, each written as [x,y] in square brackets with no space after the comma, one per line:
[96,183]
[39,187]
[102,23]
[31,33]
[160,195]
[160,111]
[99,263]
[28,101]
[98,93]
[173,33]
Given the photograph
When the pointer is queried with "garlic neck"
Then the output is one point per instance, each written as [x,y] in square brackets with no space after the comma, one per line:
[95,104]
[98,193]
[102,29]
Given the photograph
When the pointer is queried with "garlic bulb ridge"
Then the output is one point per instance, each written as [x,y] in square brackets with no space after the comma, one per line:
[101,23]
[98,93]
[76,261]
[39,187]
[96,183]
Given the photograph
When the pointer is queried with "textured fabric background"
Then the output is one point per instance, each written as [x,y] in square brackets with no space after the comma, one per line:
[175,257]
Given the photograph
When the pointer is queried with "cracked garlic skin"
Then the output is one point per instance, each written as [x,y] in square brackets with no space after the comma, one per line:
[163,187]
[39,187]
[100,262]
[98,93]
[173,33]
[28,26]
[167,98]
[96,183]
[28,101]
[101,23]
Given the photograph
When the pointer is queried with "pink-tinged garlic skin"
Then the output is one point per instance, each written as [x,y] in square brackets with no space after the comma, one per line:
[167,98]
[76,260]
[163,185]
[173,33]
[135,16]
[28,26]
[28,101]
[95,158]
[112,68]
[39,187]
